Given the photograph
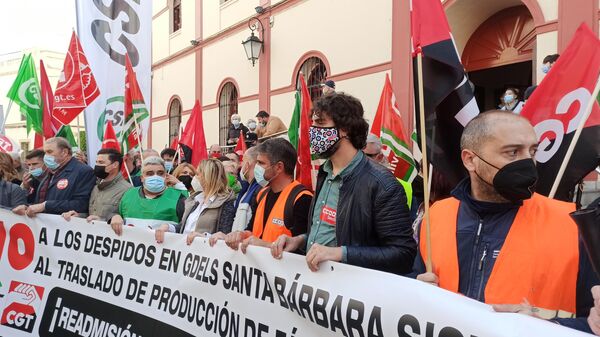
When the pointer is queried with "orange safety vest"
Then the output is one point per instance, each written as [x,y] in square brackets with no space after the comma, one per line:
[281,212]
[539,260]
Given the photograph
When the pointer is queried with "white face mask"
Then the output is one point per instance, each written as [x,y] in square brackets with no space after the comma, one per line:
[196,185]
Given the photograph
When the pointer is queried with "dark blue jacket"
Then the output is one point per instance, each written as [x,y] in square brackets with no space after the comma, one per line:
[76,181]
[477,253]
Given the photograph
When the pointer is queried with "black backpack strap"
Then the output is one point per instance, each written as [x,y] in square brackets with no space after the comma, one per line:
[261,195]
[288,212]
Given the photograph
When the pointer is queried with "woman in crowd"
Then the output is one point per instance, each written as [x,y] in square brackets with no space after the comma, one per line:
[185,173]
[209,210]
[511,101]
[11,194]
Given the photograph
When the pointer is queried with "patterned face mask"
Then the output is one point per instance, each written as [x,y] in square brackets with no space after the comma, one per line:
[323,140]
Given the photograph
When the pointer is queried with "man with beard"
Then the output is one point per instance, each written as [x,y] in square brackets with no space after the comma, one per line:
[497,241]
[106,195]
[359,214]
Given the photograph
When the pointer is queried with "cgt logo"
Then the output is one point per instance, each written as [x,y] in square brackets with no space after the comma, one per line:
[22,301]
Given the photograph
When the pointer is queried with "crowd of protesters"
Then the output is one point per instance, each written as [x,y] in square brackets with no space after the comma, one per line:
[359,213]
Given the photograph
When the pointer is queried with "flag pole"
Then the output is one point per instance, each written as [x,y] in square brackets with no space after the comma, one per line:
[584,118]
[10,102]
[137,133]
[128,174]
[425,164]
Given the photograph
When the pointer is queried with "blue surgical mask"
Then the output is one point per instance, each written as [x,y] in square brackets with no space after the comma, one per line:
[235,123]
[154,184]
[37,172]
[509,99]
[252,125]
[545,68]
[50,162]
[168,166]
[259,175]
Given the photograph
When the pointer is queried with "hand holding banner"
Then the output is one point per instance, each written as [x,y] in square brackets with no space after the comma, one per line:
[80,279]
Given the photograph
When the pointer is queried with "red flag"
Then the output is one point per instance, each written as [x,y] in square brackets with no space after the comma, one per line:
[135,107]
[240,147]
[174,143]
[38,141]
[110,138]
[428,23]
[50,125]
[77,87]
[304,164]
[193,142]
[555,109]
[388,126]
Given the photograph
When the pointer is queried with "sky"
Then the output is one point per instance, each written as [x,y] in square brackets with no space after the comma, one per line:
[45,24]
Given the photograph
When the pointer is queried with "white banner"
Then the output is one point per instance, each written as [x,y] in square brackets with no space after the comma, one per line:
[77,279]
[107,30]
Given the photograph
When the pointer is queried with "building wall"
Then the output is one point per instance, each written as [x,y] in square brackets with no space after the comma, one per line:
[355,40]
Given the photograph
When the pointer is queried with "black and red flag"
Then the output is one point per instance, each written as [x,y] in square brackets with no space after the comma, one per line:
[193,142]
[448,97]
[555,110]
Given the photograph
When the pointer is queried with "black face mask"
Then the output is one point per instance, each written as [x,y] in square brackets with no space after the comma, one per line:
[100,171]
[187,181]
[514,181]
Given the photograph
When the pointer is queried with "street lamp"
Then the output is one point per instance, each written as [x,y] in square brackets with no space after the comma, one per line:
[253,45]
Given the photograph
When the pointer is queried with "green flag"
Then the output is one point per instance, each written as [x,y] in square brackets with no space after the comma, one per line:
[66,132]
[295,123]
[25,92]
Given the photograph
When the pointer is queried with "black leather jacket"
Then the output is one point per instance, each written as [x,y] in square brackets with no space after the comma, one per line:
[372,219]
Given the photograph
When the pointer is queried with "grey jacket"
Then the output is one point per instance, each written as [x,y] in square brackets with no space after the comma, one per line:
[216,217]
[106,196]
[12,195]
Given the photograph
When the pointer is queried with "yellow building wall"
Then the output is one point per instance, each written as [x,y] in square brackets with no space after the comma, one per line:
[341,34]
[224,59]
[176,78]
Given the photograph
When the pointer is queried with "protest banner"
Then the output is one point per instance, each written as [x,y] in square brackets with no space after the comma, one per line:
[65,279]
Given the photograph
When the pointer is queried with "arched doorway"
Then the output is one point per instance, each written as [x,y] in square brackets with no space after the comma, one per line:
[174,119]
[499,55]
[228,105]
[315,74]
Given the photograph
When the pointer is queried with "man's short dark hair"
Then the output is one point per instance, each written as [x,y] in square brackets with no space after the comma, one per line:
[262,114]
[113,156]
[347,113]
[168,151]
[279,150]
[37,153]
[551,58]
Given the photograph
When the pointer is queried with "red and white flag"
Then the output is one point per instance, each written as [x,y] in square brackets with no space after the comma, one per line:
[110,138]
[388,126]
[77,87]
[50,125]
[555,109]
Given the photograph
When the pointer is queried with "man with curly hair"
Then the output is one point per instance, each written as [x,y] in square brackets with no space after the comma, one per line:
[359,213]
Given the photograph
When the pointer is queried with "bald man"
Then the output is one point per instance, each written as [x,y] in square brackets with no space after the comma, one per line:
[497,241]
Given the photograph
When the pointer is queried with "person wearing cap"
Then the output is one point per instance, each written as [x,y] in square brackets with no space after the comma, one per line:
[268,125]
[328,87]
[235,129]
